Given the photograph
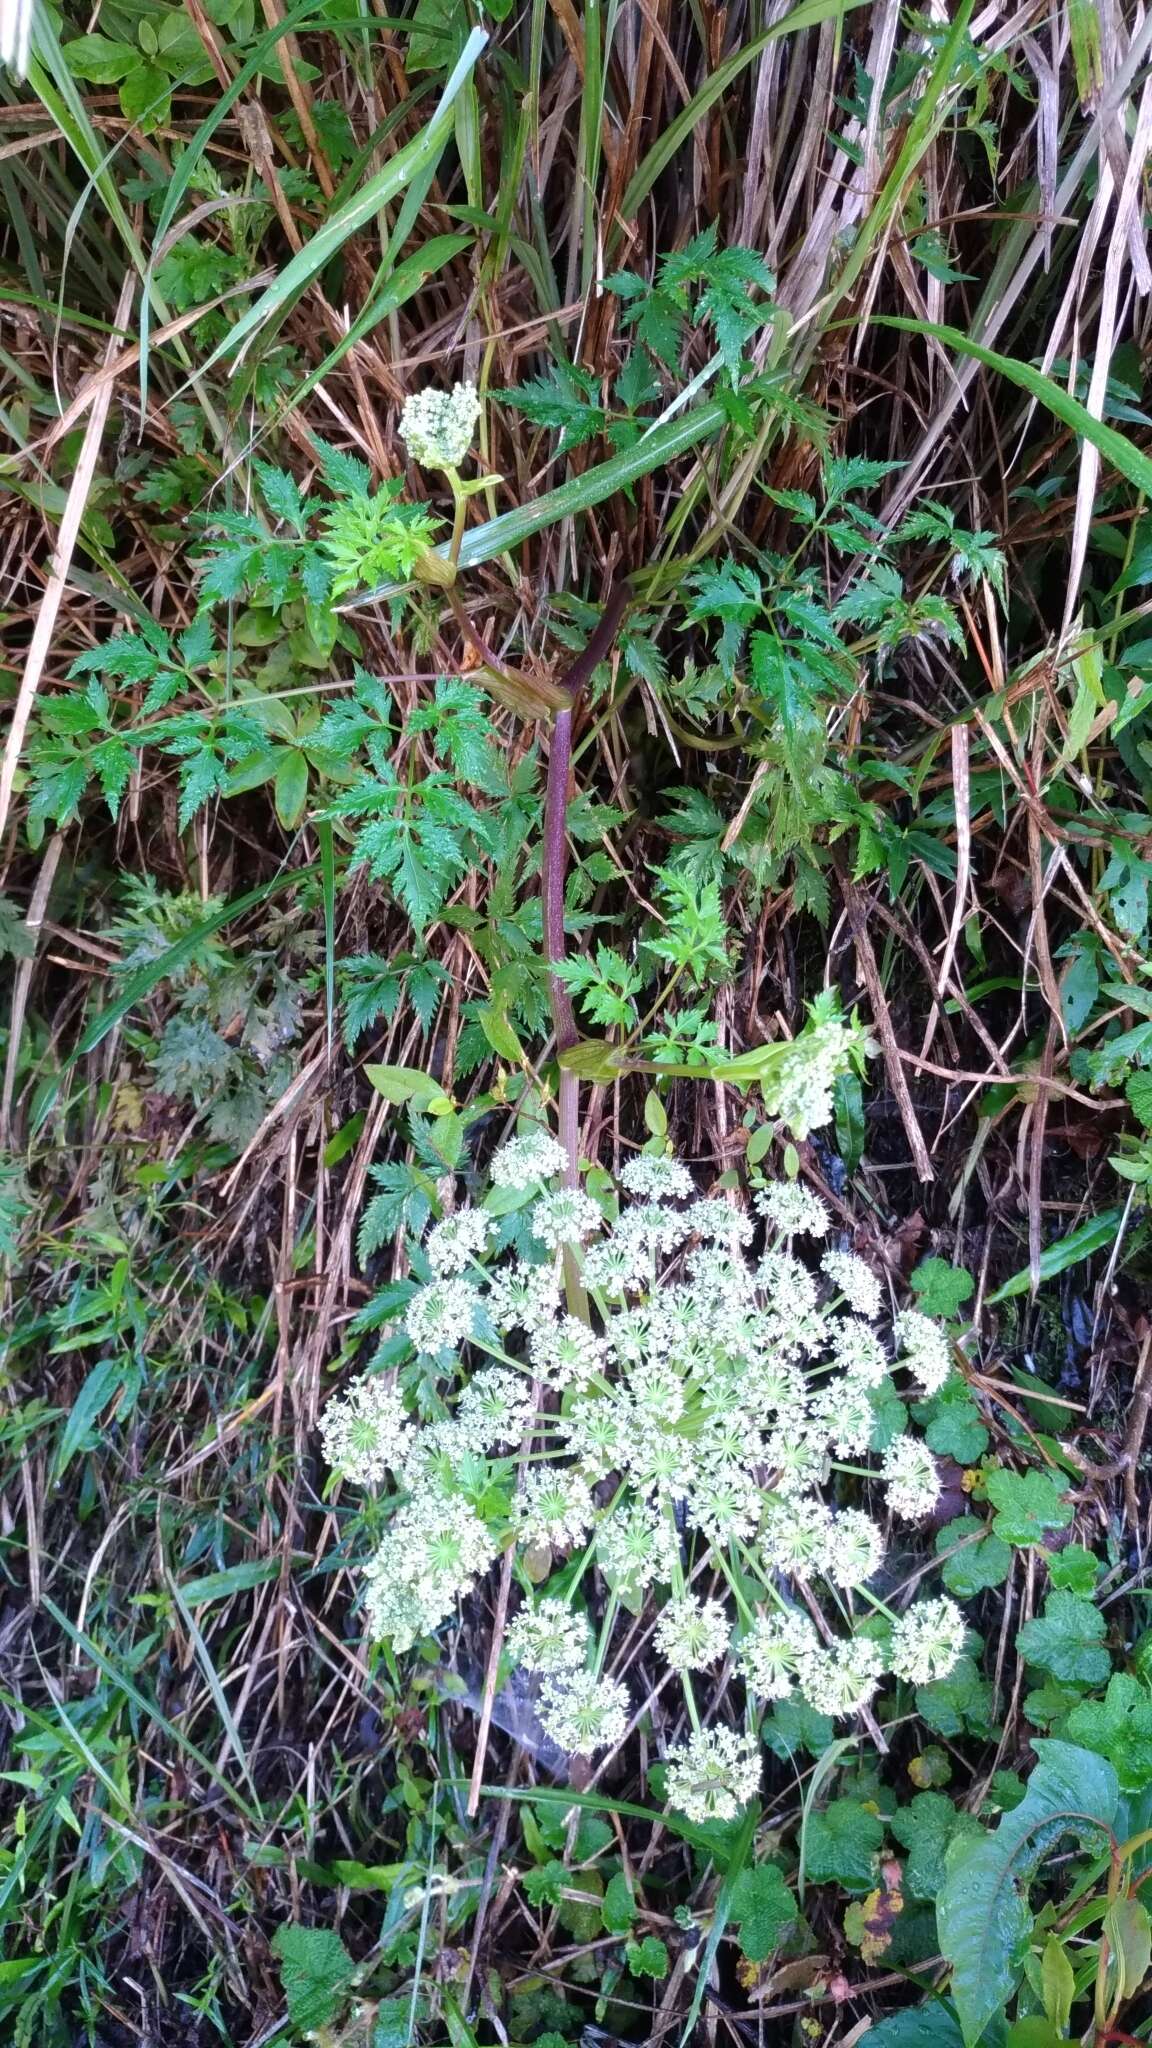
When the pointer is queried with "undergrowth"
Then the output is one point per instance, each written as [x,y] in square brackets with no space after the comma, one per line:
[574,589]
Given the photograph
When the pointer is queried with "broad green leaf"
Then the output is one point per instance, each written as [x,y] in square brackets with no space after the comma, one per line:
[291,787]
[1026,1504]
[1067,1640]
[974,1558]
[941,1288]
[405,1084]
[99,59]
[618,1909]
[102,1383]
[982,1912]
[926,1830]
[764,1908]
[926,2026]
[315,1971]
[1057,1982]
[1118,1727]
[842,1844]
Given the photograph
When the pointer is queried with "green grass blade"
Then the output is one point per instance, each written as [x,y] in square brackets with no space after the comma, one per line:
[1116,448]
[416,156]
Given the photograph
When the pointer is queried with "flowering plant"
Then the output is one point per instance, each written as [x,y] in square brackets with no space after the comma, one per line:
[702,1439]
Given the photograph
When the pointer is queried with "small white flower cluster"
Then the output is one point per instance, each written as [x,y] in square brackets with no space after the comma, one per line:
[437,426]
[719,1408]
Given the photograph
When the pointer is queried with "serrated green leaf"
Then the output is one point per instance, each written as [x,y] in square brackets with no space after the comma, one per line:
[1067,1640]
[765,1908]
[1026,1504]
[315,1972]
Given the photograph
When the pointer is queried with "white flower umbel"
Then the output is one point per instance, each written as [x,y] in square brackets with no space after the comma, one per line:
[845,1417]
[433,1552]
[925,1349]
[566,1353]
[657,1180]
[800,1086]
[841,1679]
[859,1353]
[453,1243]
[495,1408]
[584,1713]
[566,1217]
[635,1548]
[771,1652]
[523,1297]
[548,1637]
[794,1537]
[911,1478]
[554,1507]
[692,1634]
[713,1218]
[524,1162]
[365,1432]
[437,426]
[928,1641]
[854,1551]
[855,1281]
[790,1208]
[713,1774]
[442,1316]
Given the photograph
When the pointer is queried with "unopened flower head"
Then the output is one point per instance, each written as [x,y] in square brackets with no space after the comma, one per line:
[442,1316]
[799,1086]
[928,1641]
[568,1216]
[548,1637]
[365,1432]
[924,1348]
[583,1713]
[855,1281]
[692,1634]
[912,1481]
[657,1180]
[456,1240]
[437,426]
[525,1161]
[713,1774]
[791,1208]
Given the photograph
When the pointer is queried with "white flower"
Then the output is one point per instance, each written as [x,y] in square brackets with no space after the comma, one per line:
[855,1281]
[365,1432]
[770,1653]
[566,1217]
[790,1208]
[634,1548]
[614,1269]
[845,1415]
[692,1634]
[858,1352]
[794,1536]
[442,1316]
[438,426]
[456,1240]
[433,1551]
[799,1086]
[925,1348]
[522,1297]
[928,1641]
[911,1478]
[654,1227]
[713,1774]
[548,1637]
[566,1353]
[714,1218]
[657,1180]
[726,1504]
[554,1506]
[527,1160]
[496,1407]
[583,1713]
[798,1457]
[854,1550]
[841,1679]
